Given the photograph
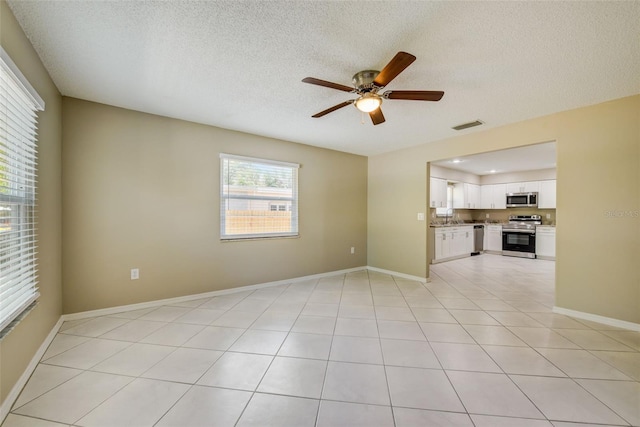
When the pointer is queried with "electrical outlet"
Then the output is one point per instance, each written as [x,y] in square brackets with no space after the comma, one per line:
[353,250]
[135,274]
[487,216]
[548,216]
[420,216]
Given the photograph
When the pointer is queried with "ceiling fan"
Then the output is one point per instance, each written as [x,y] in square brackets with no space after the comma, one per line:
[368,83]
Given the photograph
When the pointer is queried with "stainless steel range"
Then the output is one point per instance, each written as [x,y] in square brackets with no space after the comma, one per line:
[519,236]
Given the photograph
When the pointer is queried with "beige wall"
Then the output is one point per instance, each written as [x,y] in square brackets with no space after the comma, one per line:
[598,164]
[143,191]
[453,175]
[500,178]
[522,176]
[17,348]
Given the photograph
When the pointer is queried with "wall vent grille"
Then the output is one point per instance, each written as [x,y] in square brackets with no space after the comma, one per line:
[468,125]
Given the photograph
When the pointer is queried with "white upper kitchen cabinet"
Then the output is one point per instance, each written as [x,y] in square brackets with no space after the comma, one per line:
[438,190]
[499,196]
[547,194]
[523,187]
[486,197]
[466,196]
[493,196]
[473,196]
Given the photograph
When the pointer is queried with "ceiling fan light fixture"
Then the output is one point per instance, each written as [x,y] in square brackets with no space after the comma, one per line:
[368,102]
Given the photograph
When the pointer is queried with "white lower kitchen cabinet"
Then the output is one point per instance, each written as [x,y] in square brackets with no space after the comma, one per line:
[442,249]
[453,242]
[493,239]
[546,242]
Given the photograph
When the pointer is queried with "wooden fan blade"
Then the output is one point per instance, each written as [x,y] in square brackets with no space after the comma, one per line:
[325,83]
[376,116]
[397,65]
[414,95]
[332,109]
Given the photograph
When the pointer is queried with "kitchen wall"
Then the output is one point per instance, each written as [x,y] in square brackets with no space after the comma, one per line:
[454,175]
[142,191]
[502,215]
[19,346]
[519,176]
[499,215]
[598,200]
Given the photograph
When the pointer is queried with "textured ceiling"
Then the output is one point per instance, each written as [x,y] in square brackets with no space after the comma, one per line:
[239,65]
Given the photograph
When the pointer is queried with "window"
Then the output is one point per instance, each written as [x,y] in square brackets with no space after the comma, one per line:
[280,208]
[448,210]
[19,104]
[258,198]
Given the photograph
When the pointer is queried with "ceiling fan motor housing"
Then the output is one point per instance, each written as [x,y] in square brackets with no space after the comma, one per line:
[363,80]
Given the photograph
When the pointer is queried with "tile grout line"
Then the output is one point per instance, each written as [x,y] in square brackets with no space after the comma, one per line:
[326,371]
[253,393]
[460,290]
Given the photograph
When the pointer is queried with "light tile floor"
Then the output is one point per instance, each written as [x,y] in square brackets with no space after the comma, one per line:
[476,346]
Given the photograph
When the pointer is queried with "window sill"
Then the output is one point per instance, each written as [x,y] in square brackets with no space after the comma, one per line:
[253,238]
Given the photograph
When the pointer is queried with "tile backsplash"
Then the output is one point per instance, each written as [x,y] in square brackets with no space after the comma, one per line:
[501,215]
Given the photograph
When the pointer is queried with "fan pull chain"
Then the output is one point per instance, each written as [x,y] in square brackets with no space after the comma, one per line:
[362,118]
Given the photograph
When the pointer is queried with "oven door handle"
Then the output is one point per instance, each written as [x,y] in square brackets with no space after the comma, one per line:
[518,232]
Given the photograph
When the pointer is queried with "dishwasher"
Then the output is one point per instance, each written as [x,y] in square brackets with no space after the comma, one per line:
[478,239]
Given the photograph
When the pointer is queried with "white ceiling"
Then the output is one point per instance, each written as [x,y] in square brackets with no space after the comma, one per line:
[531,157]
[239,64]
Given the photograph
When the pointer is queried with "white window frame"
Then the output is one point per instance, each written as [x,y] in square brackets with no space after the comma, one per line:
[443,212]
[19,104]
[225,196]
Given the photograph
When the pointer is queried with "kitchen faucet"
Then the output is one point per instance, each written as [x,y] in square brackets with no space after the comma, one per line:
[446,215]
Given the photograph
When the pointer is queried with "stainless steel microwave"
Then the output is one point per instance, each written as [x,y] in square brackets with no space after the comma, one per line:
[522,200]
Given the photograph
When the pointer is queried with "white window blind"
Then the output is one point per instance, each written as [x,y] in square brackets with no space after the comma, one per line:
[19,104]
[448,210]
[258,198]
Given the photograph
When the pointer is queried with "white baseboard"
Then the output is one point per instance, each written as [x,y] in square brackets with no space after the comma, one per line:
[157,303]
[397,274]
[598,319]
[5,408]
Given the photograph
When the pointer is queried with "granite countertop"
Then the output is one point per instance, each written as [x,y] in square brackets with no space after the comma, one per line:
[447,225]
[474,223]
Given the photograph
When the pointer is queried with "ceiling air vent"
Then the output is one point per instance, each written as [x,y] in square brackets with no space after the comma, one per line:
[468,125]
